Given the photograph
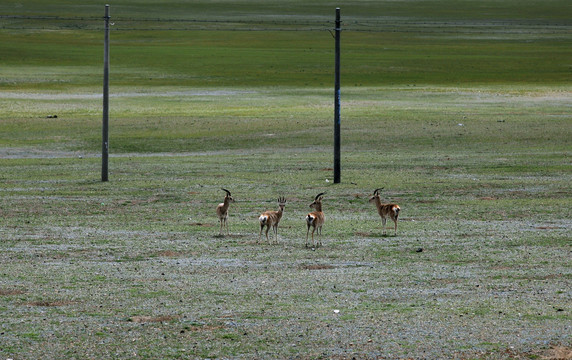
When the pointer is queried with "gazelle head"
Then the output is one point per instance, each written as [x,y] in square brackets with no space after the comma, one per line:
[375,195]
[317,201]
[281,203]
[228,196]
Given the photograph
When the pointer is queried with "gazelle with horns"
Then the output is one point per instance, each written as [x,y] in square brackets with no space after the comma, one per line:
[315,219]
[222,211]
[385,210]
[271,219]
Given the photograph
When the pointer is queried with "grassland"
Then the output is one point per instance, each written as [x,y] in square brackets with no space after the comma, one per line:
[461,110]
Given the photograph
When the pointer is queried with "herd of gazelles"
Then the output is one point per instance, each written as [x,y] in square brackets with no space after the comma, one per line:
[314,220]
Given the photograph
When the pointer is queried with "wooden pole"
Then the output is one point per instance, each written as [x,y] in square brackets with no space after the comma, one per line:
[337,121]
[105,128]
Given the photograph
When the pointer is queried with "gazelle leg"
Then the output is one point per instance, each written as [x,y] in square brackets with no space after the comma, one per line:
[313,230]
[276,234]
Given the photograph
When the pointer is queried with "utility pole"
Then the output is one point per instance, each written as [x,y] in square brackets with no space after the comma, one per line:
[105,129]
[337,120]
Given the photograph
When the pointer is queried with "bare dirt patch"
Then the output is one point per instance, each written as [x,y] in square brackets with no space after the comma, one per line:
[11,292]
[153,319]
[45,303]
[202,224]
[558,353]
[316,267]
[362,233]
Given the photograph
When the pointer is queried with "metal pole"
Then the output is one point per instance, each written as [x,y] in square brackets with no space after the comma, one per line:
[337,121]
[105,130]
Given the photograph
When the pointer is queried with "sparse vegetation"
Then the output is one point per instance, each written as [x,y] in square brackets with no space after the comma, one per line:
[468,130]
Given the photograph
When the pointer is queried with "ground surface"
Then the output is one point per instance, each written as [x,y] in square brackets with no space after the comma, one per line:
[454,109]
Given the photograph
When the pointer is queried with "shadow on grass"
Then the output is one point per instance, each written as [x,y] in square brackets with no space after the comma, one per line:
[230,236]
[375,235]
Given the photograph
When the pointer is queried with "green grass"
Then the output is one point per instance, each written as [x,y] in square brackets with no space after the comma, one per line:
[266,118]
[274,9]
[454,107]
[273,58]
[413,43]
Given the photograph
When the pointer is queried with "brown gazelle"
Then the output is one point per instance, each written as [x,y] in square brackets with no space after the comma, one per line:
[385,210]
[315,219]
[271,219]
[222,211]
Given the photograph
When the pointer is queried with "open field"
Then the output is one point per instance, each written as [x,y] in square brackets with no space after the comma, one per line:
[455,109]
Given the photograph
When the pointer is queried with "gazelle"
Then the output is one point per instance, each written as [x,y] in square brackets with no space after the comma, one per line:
[315,219]
[271,219]
[222,211]
[385,210]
